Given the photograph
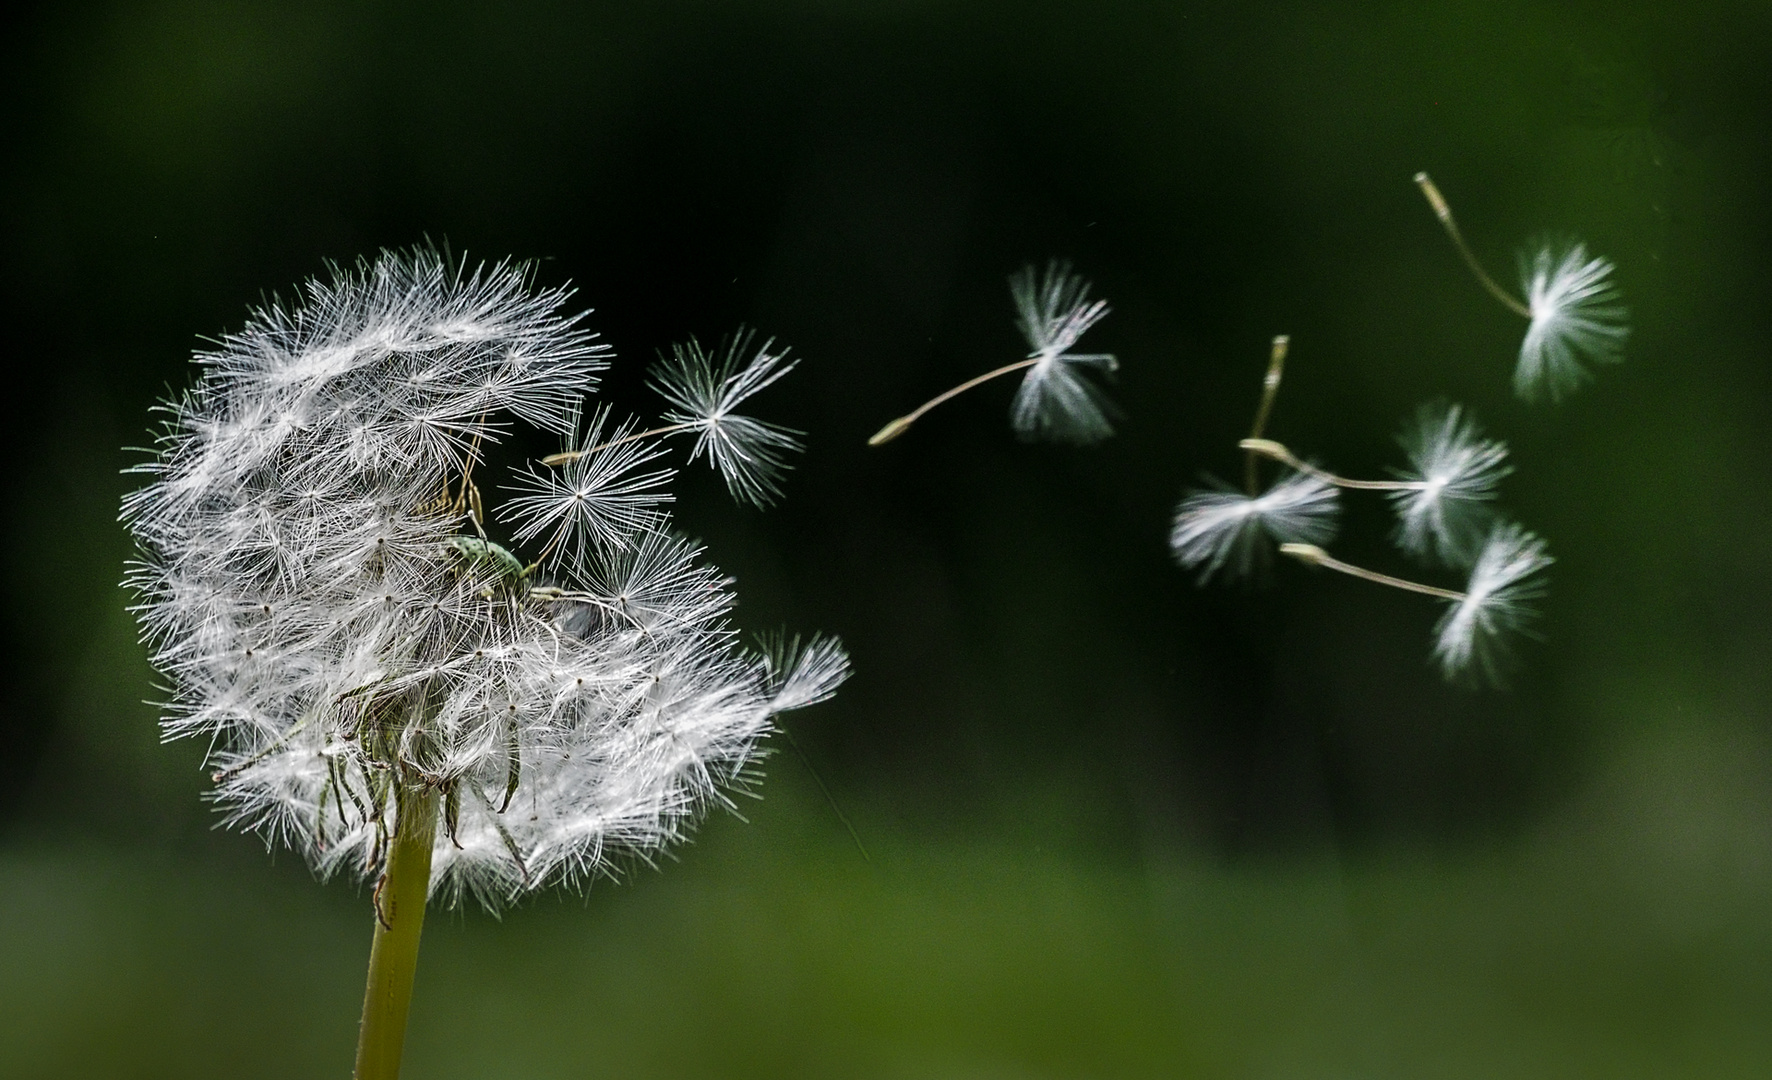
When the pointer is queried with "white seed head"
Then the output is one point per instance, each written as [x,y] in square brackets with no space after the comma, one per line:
[704,390]
[1055,401]
[1576,316]
[1449,514]
[330,628]
[1221,529]
[1471,640]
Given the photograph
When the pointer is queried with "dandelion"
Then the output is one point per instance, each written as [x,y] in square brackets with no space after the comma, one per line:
[1055,400]
[1571,304]
[1471,639]
[1575,315]
[1472,636]
[1453,473]
[393,694]
[1223,529]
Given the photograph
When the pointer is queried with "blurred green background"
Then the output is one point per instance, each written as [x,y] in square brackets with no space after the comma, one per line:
[1119,826]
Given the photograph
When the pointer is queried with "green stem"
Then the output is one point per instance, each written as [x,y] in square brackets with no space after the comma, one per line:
[399,919]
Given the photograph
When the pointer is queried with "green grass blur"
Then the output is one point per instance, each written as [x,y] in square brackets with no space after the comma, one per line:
[1625,937]
[1119,826]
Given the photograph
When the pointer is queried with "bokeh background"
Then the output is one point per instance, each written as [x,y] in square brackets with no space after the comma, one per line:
[1116,825]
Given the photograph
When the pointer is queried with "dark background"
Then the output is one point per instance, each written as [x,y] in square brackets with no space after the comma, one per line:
[1118,825]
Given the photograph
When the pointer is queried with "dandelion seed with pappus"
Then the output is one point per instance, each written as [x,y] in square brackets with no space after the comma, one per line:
[1471,640]
[1055,401]
[1219,530]
[1472,637]
[1453,472]
[389,691]
[1222,530]
[1572,307]
[705,390]
[1576,315]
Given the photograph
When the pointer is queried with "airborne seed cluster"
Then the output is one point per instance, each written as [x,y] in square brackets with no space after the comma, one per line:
[1445,499]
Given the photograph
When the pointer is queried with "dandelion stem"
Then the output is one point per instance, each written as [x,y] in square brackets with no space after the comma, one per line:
[574,455]
[1271,449]
[897,427]
[399,919]
[1444,212]
[1316,556]
[1270,388]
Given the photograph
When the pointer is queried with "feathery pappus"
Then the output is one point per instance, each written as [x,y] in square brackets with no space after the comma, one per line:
[1445,511]
[1576,319]
[1055,401]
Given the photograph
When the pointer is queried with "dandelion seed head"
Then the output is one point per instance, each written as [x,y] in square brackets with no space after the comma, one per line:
[1448,516]
[1471,639]
[1577,319]
[1055,400]
[333,631]
[1222,530]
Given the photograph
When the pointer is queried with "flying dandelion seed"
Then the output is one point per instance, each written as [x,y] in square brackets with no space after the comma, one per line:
[1577,320]
[706,390]
[1453,472]
[1055,401]
[1471,640]
[1226,531]
[1573,308]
